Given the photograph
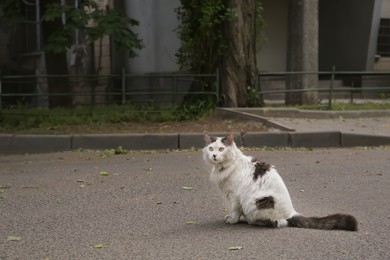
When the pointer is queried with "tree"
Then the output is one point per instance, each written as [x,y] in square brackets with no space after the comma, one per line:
[239,69]
[57,36]
[222,34]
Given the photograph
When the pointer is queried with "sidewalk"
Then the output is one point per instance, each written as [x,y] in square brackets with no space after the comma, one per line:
[288,128]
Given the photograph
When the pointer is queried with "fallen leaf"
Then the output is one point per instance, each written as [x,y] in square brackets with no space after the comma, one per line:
[100,246]
[186,188]
[190,222]
[104,173]
[14,238]
[235,248]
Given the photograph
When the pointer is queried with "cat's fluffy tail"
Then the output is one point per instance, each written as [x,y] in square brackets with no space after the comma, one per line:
[336,221]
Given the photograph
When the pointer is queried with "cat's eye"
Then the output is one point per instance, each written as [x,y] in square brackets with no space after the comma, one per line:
[211,149]
[221,149]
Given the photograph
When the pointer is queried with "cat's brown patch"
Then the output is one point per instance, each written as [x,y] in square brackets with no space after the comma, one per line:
[265,203]
[261,168]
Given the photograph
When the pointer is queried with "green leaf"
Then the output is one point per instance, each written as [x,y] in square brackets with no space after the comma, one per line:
[14,238]
[99,246]
[104,173]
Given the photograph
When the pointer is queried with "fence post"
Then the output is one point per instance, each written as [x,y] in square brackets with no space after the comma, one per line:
[330,97]
[1,91]
[217,84]
[123,86]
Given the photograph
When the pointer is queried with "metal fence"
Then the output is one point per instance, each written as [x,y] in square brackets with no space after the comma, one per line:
[330,85]
[109,89]
[172,88]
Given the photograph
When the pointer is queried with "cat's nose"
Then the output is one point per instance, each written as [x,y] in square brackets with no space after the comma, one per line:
[214,156]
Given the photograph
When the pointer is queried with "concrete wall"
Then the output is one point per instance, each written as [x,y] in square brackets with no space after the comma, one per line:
[385,11]
[157,24]
[273,52]
[348,33]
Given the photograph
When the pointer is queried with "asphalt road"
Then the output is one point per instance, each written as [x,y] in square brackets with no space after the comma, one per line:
[60,206]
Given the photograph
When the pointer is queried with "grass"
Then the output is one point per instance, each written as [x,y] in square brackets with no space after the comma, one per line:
[338,106]
[348,106]
[25,118]
[22,117]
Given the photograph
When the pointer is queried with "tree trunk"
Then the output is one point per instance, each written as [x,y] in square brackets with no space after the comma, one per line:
[302,50]
[56,64]
[239,70]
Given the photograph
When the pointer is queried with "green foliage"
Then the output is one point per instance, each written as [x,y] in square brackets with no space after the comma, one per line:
[260,36]
[253,97]
[195,109]
[201,33]
[384,95]
[95,22]
[11,11]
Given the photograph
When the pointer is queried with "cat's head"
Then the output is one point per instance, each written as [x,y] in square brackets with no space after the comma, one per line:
[218,150]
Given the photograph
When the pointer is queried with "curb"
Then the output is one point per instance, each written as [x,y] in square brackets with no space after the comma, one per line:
[17,144]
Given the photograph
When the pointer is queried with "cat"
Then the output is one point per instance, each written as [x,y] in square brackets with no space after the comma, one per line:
[256,192]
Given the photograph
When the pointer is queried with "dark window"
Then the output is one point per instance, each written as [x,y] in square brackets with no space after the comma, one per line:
[383,46]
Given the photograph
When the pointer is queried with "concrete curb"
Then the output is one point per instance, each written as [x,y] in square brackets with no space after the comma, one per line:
[16,144]
[11,144]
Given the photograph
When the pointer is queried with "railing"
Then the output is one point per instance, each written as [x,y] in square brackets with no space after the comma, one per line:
[351,83]
[121,88]
[114,88]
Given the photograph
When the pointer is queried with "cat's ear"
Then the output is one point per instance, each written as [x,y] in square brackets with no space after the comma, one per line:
[209,138]
[229,139]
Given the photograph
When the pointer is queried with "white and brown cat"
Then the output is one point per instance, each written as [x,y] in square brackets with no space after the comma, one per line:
[256,191]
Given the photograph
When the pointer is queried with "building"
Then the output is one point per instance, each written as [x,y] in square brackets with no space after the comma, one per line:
[352,36]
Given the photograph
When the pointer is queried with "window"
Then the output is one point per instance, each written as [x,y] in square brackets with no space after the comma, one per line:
[383,45]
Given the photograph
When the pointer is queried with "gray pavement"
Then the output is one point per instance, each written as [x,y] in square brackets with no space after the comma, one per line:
[364,125]
[61,207]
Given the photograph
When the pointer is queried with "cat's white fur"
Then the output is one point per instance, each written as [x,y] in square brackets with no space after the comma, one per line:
[233,173]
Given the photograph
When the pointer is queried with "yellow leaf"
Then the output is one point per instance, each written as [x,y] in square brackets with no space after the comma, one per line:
[235,248]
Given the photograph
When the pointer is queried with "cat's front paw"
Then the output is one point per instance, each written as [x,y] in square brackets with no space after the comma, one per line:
[229,219]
